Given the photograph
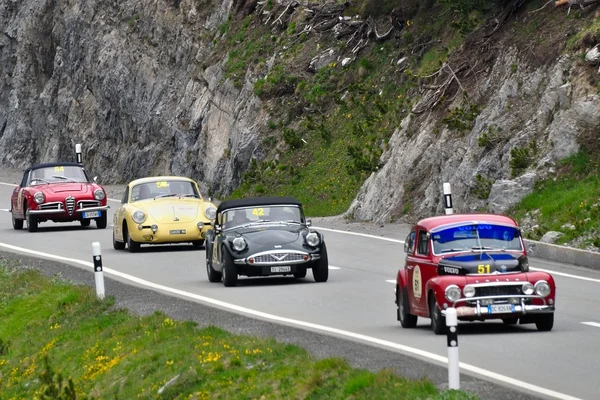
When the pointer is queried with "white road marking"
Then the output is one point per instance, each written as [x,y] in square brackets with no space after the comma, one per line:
[322,328]
[8,184]
[391,280]
[361,234]
[583,278]
[4,209]
[332,267]
[596,324]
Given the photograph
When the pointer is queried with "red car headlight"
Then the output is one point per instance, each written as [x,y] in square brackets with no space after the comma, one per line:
[453,293]
[39,197]
[542,288]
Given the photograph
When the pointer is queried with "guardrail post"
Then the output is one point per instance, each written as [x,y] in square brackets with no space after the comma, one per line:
[452,336]
[78,153]
[98,274]
[448,198]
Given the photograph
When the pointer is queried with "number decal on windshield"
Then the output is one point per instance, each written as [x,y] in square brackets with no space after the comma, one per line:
[162,184]
[483,269]
[259,212]
[59,169]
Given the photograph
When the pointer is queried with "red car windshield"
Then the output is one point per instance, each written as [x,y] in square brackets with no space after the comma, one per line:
[476,237]
[42,176]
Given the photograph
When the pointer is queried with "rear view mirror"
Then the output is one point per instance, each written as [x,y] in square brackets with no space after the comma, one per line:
[308,222]
[95,179]
[406,247]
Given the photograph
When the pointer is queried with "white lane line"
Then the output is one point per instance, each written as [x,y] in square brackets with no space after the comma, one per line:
[332,267]
[4,209]
[322,328]
[596,324]
[391,280]
[583,278]
[361,234]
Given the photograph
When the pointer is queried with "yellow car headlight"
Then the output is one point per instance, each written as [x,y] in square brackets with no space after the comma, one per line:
[138,217]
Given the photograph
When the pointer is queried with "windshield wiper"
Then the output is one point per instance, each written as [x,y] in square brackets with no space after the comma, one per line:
[165,195]
[449,250]
[187,195]
[483,248]
[64,177]
[38,180]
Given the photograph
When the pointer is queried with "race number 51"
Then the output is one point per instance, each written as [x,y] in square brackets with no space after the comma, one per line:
[483,269]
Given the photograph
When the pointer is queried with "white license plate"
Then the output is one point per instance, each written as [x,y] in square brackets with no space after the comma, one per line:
[177,232]
[91,214]
[281,269]
[501,308]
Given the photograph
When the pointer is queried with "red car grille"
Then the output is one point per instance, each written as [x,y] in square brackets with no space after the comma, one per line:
[87,204]
[498,290]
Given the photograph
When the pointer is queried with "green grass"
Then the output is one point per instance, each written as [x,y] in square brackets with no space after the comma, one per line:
[570,197]
[55,336]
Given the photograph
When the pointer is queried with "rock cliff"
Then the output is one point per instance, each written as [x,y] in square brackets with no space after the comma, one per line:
[124,79]
[144,87]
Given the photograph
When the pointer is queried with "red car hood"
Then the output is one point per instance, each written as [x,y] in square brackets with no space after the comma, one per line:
[69,187]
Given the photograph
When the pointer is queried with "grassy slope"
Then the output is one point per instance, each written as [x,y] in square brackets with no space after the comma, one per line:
[52,328]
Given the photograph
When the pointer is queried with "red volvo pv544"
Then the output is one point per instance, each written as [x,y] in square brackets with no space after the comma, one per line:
[476,263]
[59,192]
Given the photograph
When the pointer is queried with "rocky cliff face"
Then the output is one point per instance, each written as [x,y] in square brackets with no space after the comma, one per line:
[123,78]
[545,111]
[139,85]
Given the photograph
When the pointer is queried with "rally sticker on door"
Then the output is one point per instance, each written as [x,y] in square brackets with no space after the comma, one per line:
[417,282]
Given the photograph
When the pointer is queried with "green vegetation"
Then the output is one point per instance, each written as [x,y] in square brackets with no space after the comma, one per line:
[462,118]
[569,197]
[328,127]
[483,186]
[57,341]
[490,137]
[522,157]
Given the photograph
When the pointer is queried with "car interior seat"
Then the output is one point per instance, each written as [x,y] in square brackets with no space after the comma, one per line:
[144,193]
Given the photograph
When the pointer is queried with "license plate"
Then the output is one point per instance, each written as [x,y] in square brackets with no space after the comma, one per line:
[281,269]
[177,232]
[501,308]
[91,214]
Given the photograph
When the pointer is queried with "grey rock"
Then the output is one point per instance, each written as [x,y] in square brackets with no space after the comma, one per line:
[593,55]
[325,58]
[550,237]
[505,193]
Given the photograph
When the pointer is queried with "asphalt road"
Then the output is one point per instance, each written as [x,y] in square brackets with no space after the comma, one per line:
[357,303]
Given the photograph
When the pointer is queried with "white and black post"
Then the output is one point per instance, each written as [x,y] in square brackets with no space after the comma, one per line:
[98,274]
[78,153]
[448,198]
[452,336]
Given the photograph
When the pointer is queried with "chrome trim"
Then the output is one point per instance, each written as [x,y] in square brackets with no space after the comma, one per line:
[61,210]
[282,261]
[70,204]
[99,208]
[36,212]
[521,309]
[92,203]
[498,283]
[55,205]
